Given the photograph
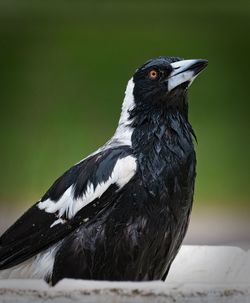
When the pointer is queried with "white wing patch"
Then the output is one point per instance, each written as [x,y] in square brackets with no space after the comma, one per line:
[124,130]
[61,206]
[123,171]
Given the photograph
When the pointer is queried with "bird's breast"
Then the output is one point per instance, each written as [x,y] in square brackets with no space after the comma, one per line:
[166,169]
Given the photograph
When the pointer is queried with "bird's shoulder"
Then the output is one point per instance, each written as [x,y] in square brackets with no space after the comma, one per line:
[88,180]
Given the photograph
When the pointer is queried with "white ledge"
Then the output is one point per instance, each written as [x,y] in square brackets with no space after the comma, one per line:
[211,264]
[198,274]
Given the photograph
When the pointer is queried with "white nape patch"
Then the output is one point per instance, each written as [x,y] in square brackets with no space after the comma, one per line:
[58,221]
[180,73]
[124,130]
[123,171]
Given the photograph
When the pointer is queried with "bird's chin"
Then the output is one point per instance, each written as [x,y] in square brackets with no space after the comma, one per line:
[176,98]
[171,98]
[177,92]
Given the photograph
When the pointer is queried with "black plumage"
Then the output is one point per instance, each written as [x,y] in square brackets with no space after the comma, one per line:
[121,213]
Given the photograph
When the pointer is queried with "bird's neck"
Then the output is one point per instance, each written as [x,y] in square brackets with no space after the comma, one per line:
[170,127]
[165,152]
[141,124]
[162,136]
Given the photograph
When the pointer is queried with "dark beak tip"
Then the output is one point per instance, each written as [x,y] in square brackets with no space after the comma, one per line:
[199,65]
[204,62]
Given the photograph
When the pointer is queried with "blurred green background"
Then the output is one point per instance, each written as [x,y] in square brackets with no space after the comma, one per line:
[64,66]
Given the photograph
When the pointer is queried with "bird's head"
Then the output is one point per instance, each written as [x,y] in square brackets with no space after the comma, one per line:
[164,81]
[159,85]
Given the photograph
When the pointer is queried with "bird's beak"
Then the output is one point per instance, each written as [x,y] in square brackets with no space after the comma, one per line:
[185,71]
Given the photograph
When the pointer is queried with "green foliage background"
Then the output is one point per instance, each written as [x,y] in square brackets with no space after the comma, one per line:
[64,66]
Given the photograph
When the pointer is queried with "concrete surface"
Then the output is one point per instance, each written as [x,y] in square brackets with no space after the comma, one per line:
[146,292]
[199,274]
[211,264]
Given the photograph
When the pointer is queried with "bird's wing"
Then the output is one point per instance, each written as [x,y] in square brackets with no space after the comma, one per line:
[78,195]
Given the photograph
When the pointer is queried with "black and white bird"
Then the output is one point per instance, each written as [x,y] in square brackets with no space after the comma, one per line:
[122,212]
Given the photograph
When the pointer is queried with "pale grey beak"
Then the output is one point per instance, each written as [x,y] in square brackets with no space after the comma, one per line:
[185,71]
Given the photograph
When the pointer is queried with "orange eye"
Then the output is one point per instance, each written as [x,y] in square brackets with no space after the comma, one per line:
[153,74]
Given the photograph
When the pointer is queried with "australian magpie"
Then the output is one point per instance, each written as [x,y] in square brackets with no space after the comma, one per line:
[122,212]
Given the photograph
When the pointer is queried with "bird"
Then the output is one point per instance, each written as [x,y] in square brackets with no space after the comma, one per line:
[121,213]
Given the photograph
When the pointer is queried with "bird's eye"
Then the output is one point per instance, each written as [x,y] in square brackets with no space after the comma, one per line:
[153,74]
